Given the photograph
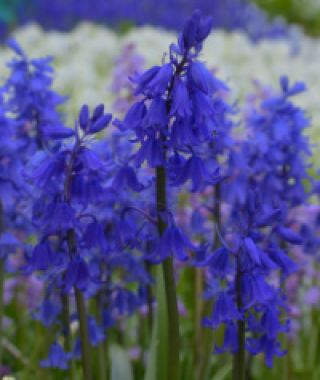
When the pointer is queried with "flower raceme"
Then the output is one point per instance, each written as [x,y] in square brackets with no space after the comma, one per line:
[177,114]
[72,215]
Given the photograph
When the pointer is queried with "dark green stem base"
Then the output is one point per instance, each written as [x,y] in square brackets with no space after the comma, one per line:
[84,336]
[170,286]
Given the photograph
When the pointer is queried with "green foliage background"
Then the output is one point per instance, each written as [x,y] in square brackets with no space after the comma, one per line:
[294,11]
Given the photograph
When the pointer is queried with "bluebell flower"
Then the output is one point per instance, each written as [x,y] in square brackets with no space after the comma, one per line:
[143,80]
[181,103]
[48,312]
[219,263]
[96,334]
[133,118]
[42,257]
[194,169]
[224,311]
[127,178]
[151,151]
[76,275]
[57,358]
[94,236]
[266,345]
[270,322]
[255,289]
[172,242]
[57,132]
[288,235]
[281,258]
[195,31]
[157,85]
[230,342]
[203,79]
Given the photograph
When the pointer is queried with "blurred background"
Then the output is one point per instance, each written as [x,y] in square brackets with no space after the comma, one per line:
[259,18]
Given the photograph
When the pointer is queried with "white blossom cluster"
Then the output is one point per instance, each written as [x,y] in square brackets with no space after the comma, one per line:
[84,60]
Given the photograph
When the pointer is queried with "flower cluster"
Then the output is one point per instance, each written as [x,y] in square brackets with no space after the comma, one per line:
[31,100]
[78,249]
[181,112]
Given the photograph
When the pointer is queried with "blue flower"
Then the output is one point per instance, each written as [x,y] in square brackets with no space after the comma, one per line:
[96,334]
[158,83]
[203,79]
[76,275]
[194,169]
[230,343]
[284,262]
[133,118]
[57,358]
[181,103]
[42,257]
[195,31]
[94,236]
[172,242]
[57,132]
[254,289]
[48,312]
[152,151]
[224,311]
[127,178]
[219,262]
[288,235]
[268,346]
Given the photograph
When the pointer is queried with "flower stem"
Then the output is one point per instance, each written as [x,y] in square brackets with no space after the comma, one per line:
[66,331]
[103,360]
[170,286]
[202,365]
[198,314]
[82,314]
[84,335]
[2,272]
[149,301]
[238,371]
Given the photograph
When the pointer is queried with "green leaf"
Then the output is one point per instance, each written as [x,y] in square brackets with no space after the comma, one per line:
[223,373]
[120,364]
[157,365]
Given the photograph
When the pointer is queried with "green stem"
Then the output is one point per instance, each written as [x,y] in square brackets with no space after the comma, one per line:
[202,364]
[102,358]
[238,372]
[149,300]
[2,273]
[170,286]
[198,314]
[103,371]
[84,335]
[66,331]
[82,314]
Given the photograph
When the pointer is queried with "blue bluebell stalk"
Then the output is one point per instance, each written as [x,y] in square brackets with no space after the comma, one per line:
[79,166]
[245,298]
[81,242]
[260,191]
[9,180]
[30,100]
[180,113]
[279,148]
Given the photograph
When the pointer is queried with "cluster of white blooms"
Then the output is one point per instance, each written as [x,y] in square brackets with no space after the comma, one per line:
[84,60]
